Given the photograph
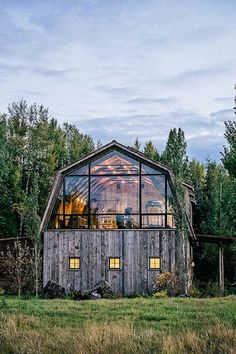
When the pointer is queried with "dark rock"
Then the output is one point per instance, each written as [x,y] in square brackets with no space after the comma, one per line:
[81,295]
[103,289]
[52,290]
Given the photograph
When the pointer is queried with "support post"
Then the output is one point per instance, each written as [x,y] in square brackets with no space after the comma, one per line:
[221,267]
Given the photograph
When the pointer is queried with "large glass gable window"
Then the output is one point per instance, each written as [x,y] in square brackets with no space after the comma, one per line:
[114,191]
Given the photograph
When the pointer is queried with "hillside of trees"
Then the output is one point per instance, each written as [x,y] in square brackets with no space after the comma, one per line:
[33,146]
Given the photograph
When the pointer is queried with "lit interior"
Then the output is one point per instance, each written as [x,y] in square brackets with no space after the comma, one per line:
[114,263]
[74,263]
[114,195]
[154,263]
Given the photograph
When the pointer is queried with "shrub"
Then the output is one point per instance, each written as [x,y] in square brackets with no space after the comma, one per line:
[167,282]
[160,295]
[193,291]
[3,304]
[213,290]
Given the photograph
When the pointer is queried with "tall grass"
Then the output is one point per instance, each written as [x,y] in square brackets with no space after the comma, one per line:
[24,333]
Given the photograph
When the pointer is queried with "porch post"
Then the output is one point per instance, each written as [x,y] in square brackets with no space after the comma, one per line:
[221,266]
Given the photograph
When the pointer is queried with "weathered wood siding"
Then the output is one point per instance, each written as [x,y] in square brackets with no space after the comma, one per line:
[94,247]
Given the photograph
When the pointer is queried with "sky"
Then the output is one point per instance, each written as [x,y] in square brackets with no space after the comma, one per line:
[124,69]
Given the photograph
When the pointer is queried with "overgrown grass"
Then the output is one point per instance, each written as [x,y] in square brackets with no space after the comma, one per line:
[118,326]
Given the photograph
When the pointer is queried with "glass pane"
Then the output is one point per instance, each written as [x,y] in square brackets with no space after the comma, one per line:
[74,263]
[170,224]
[114,194]
[153,194]
[114,263]
[76,195]
[76,221]
[57,209]
[169,199]
[114,221]
[149,170]
[154,263]
[115,163]
[153,221]
[80,171]
[56,222]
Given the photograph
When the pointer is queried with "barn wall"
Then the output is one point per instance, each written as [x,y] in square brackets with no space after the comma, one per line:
[95,246]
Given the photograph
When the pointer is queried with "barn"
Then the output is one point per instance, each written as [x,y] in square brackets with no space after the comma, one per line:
[109,216]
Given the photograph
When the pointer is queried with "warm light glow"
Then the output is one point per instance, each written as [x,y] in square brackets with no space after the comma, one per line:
[74,263]
[114,263]
[78,199]
[154,263]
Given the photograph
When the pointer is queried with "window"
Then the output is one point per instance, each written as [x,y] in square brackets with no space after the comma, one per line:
[74,263]
[114,191]
[114,162]
[114,263]
[154,263]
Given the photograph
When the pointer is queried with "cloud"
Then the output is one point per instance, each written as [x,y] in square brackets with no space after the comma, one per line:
[197,128]
[225,100]
[150,100]
[122,69]
[198,74]
[52,72]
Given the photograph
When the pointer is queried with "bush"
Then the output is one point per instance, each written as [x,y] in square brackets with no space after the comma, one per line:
[193,291]
[213,290]
[167,282]
[160,295]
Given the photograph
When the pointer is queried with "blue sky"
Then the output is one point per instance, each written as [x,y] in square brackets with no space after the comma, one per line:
[124,69]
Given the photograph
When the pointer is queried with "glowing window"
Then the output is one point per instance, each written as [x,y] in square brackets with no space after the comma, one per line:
[114,263]
[154,263]
[74,263]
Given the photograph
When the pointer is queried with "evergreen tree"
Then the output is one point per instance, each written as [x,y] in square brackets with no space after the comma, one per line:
[137,144]
[174,154]
[197,176]
[150,151]
[229,154]
[32,145]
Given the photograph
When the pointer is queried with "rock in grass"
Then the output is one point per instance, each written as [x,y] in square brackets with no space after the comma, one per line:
[80,295]
[52,290]
[103,289]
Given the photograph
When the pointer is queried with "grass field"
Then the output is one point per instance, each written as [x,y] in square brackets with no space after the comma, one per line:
[139,325]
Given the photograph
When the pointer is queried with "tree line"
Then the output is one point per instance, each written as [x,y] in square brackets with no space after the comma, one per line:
[33,145]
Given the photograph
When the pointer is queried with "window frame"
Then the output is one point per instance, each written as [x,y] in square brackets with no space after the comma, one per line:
[74,258]
[149,263]
[114,258]
[140,175]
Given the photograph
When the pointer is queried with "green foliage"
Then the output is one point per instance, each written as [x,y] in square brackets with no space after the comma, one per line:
[160,295]
[3,304]
[175,155]
[33,147]
[150,151]
[218,202]
[229,154]
[193,291]
[212,289]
